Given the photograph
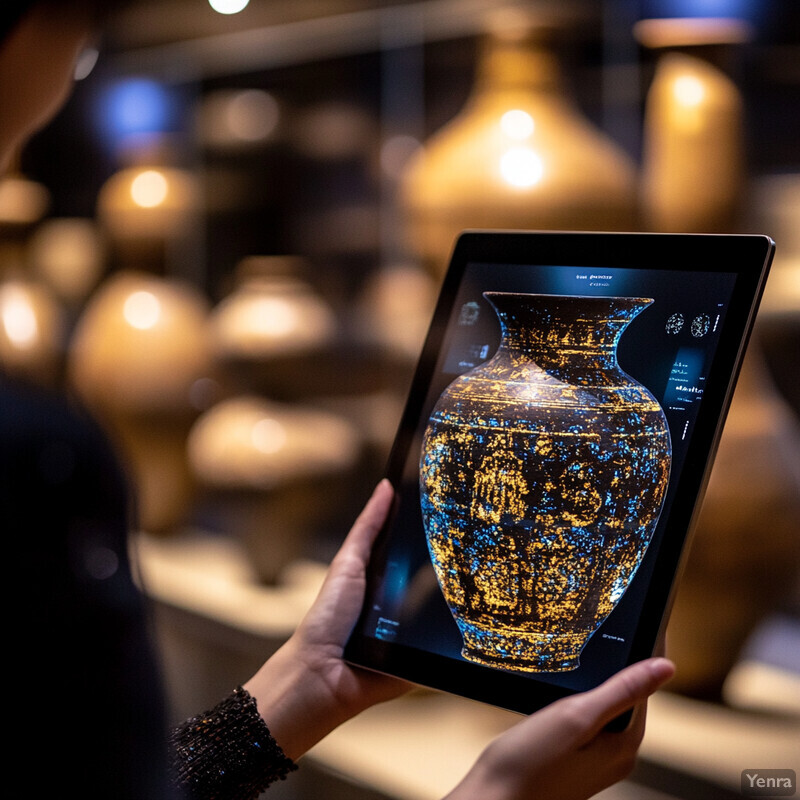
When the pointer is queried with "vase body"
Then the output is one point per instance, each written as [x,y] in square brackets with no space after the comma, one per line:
[273,329]
[275,475]
[543,474]
[137,356]
[520,154]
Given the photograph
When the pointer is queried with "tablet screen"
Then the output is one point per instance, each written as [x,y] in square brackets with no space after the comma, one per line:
[539,467]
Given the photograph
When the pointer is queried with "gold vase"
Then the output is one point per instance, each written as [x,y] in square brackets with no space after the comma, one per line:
[693,153]
[519,155]
[137,356]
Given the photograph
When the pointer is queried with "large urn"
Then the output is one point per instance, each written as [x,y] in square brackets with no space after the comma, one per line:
[520,154]
[543,474]
[693,157]
[140,360]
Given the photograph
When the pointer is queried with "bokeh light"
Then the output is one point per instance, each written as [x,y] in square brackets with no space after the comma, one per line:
[517,124]
[521,167]
[135,107]
[228,6]
[142,310]
[149,189]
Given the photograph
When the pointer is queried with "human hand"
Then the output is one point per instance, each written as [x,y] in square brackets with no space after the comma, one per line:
[563,752]
[306,689]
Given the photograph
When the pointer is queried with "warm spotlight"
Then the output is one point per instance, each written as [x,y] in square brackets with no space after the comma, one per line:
[228,6]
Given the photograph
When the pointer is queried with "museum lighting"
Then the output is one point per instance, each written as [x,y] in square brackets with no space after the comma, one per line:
[142,310]
[521,167]
[228,6]
[517,124]
[149,188]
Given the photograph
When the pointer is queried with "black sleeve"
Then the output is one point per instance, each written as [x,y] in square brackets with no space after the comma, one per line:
[227,753]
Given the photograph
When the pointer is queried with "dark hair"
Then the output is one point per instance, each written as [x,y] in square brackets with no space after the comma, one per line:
[95,10]
[11,14]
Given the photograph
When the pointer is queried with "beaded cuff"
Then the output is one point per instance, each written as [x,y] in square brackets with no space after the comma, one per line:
[227,753]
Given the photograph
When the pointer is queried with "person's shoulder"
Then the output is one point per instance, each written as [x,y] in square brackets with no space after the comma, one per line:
[54,457]
[32,415]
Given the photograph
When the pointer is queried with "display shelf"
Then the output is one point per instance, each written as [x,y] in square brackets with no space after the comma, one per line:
[207,574]
[417,747]
[699,746]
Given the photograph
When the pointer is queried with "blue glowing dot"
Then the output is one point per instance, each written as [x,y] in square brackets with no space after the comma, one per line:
[136,106]
[739,9]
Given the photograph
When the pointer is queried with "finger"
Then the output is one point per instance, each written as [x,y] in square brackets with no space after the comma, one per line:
[627,689]
[617,751]
[339,599]
[351,560]
[359,540]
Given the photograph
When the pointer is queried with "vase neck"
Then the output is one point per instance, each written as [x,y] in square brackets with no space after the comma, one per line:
[523,63]
[559,330]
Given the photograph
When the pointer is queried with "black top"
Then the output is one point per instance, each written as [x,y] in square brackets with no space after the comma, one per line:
[85,695]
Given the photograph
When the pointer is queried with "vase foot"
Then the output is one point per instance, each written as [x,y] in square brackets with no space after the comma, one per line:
[522,650]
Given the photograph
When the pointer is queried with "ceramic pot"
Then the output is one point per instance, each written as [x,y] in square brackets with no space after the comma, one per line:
[137,356]
[543,474]
[23,202]
[745,560]
[149,214]
[273,329]
[31,331]
[520,154]
[68,253]
[693,163]
[273,475]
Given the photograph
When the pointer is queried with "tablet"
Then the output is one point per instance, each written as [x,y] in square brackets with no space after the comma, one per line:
[553,452]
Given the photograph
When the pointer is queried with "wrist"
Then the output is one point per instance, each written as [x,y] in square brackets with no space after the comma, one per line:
[295,702]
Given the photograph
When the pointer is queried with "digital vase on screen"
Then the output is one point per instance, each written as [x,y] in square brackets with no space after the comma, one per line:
[543,475]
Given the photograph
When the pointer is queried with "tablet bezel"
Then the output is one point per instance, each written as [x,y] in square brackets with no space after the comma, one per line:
[749,257]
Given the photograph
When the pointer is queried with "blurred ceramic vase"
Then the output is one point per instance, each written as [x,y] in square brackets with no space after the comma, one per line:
[272,474]
[693,159]
[519,155]
[148,212]
[233,120]
[68,253]
[31,331]
[395,308]
[268,332]
[138,352]
[744,562]
[23,202]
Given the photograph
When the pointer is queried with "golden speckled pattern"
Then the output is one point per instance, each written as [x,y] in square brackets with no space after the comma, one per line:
[543,474]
